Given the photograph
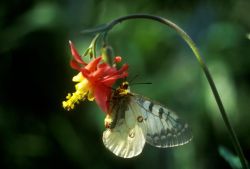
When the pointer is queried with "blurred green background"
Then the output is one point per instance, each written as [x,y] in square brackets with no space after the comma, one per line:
[35,76]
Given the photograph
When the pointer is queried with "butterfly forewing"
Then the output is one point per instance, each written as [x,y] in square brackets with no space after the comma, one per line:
[163,127]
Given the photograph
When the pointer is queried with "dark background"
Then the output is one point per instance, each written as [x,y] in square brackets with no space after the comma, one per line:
[35,76]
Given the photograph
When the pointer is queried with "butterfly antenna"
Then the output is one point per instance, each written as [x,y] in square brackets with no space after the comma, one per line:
[133,78]
[140,83]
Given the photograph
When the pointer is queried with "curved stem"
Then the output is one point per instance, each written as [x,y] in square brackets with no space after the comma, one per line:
[197,54]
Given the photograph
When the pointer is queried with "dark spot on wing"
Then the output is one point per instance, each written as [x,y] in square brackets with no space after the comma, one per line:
[150,107]
[140,119]
[131,134]
[161,111]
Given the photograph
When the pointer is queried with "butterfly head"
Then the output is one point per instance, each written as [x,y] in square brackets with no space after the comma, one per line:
[124,85]
[123,89]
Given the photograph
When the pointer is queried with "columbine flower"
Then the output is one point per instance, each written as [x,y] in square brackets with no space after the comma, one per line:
[94,80]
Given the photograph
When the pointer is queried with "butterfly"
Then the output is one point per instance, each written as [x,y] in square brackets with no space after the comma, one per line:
[133,120]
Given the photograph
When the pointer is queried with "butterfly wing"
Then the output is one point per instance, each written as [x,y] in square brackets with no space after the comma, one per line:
[163,127]
[124,143]
[139,120]
[126,139]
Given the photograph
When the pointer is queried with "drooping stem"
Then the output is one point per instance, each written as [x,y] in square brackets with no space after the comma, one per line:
[204,67]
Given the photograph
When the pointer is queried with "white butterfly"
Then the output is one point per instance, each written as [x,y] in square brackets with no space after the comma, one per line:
[133,120]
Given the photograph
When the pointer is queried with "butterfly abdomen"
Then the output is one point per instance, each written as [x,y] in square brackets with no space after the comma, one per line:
[118,107]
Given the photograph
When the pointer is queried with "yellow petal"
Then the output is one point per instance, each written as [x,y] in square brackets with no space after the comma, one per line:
[77,78]
[82,85]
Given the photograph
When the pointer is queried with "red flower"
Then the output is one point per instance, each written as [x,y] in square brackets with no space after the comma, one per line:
[95,81]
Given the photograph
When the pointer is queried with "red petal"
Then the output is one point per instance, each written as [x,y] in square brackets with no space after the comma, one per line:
[85,73]
[101,72]
[74,65]
[123,69]
[111,80]
[75,54]
[102,95]
[93,64]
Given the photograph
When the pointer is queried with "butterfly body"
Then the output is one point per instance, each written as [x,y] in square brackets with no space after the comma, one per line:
[133,120]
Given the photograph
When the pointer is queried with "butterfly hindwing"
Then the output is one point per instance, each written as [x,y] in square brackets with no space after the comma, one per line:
[123,142]
[126,138]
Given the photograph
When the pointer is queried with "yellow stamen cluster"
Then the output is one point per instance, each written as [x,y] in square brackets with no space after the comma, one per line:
[73,99]
[82,91]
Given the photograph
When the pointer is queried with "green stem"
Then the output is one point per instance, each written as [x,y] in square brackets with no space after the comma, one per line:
[197,54]
[93,44]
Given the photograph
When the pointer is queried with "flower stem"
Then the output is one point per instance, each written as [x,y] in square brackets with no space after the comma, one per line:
[204,67]
[93,44]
